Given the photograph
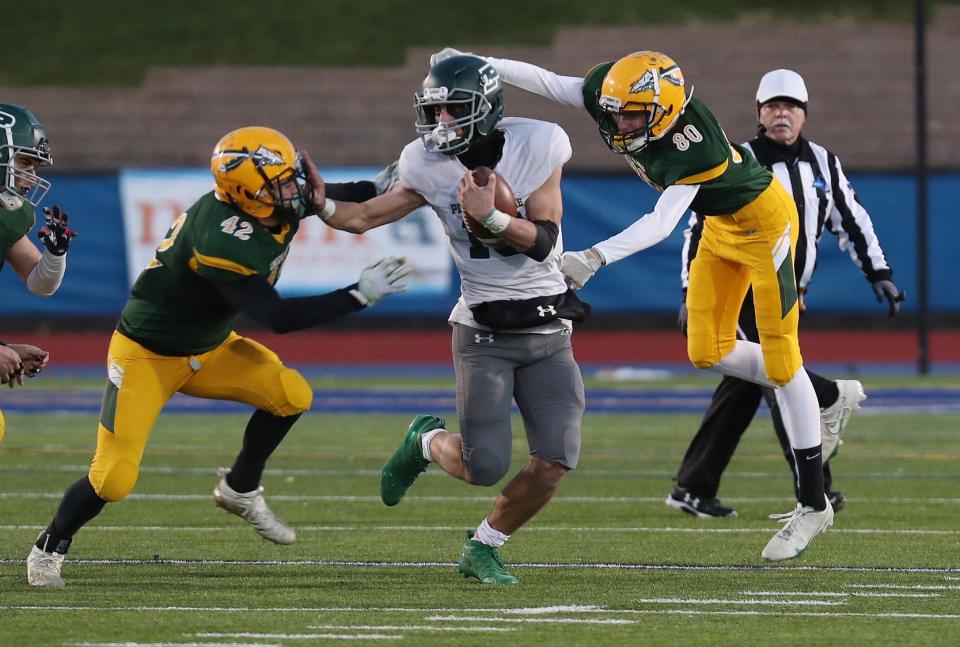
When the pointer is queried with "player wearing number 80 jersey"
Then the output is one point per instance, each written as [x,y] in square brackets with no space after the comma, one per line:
[669,137]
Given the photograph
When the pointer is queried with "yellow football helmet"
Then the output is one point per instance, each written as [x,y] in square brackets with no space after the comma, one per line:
[251,165]
[648,82]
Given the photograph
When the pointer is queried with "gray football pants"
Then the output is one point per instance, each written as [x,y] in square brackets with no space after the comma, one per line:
[540,373]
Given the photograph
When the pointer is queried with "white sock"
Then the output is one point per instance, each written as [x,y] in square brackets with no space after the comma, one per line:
[745,361]
[490,536]
[801,413]
[425,443]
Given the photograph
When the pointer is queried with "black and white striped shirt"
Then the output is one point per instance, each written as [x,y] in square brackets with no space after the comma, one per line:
[825,200]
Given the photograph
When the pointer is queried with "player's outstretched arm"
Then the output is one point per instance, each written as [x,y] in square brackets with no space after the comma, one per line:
[257,299]
[567,90]
[358,217]
[579,267]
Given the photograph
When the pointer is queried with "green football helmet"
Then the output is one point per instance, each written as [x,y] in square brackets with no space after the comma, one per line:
[472,92]
[22,136]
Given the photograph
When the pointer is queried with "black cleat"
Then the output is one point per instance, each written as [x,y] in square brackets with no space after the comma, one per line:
[837,500]
[702,507]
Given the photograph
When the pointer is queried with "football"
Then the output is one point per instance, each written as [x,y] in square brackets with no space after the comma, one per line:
[504,200]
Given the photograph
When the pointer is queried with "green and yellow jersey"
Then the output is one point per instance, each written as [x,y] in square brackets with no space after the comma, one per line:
[695,151]
[174,307]
[14,225]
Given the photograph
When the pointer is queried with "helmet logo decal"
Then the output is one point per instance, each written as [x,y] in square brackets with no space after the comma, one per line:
[434,94]
[649,81]
[489,79]
[7,120]
[263,156]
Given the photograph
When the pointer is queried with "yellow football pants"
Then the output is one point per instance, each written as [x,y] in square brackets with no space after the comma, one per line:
[3,426]
[754,246]
[141,382]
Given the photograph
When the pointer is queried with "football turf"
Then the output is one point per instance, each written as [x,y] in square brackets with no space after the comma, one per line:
[605,562]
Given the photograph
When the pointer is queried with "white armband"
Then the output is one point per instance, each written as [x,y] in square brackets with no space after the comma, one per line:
[46,275]
[496,221]
[329,208]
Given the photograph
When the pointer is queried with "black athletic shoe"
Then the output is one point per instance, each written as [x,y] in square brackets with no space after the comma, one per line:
[837,500]
[684,501]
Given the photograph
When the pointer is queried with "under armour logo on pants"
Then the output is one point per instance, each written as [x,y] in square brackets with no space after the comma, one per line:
[478,338]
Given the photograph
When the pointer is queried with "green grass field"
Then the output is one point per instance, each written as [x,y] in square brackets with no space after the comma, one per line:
[605,562]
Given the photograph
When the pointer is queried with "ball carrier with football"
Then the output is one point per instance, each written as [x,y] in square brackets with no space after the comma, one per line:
[512,323]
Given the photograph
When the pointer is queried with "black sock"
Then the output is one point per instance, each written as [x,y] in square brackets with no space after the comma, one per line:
[810,476]
[263,434]
[826,390]
[79,505]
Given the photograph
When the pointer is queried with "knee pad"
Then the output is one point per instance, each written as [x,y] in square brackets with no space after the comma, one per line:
[485,466]
[116,482]
[296,395]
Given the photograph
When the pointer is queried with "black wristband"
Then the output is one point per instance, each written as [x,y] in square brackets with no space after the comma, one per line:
[547,232]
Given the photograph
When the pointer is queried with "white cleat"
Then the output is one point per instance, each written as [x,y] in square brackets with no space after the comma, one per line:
[800,527]
[833,419]
[253,508]
[43,569]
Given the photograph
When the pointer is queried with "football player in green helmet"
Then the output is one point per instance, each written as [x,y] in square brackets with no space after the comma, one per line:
[24,150]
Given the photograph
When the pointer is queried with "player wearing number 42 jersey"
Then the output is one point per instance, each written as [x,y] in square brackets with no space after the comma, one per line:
[511,325]
[176,334]
[672,141]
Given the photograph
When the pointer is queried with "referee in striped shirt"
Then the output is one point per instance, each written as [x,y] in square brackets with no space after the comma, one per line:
[825,201]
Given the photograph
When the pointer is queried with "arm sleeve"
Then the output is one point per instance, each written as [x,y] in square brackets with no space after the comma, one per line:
[351,191]
[853,226]
[567,90]
[691,242]
[652,228]
[45,277]
[257,299]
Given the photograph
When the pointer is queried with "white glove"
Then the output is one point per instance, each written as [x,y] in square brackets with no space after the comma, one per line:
[445,53]
[579,267]
[381,279]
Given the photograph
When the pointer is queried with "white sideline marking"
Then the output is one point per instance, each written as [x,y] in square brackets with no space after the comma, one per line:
[586,530]
[702,612]
[585,566]
[480,498]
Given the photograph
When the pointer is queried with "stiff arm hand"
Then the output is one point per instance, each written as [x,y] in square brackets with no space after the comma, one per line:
[579,267]
[381,279]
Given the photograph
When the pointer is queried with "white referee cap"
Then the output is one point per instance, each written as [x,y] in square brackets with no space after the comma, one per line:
[782,84]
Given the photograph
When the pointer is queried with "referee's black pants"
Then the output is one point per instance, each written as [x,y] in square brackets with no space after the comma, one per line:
[731,410]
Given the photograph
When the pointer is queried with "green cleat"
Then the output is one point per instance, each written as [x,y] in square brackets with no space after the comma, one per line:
[483,563]
[407,462]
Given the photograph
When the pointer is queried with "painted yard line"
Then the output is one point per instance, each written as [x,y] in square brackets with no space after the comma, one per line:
[554,565]
[587,530]
[350,498]
[846,595]
[324,636]
[591,473]
[701,612]
[405,628]
[921,587]
[509,614]
[168,644]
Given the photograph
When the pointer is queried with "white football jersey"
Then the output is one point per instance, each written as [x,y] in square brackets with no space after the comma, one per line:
[532,151]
